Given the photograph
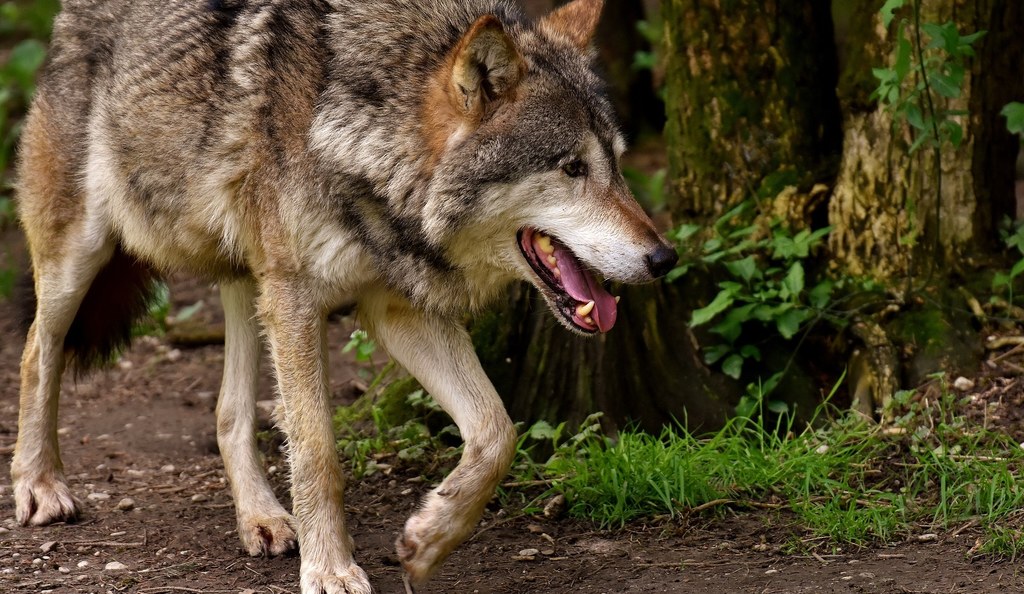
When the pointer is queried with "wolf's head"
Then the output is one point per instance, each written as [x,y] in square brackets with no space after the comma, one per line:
[527,166]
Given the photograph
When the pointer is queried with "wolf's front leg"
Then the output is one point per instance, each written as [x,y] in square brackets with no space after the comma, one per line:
[295,328]
[441,356]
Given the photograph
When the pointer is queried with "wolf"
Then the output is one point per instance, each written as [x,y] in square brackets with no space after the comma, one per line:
[412,158]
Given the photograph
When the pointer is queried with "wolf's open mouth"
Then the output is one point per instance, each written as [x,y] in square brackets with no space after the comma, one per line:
[579,297]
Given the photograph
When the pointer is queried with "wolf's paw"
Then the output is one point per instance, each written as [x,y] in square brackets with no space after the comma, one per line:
[268,536]
[350,580]
[425,544]
[43,500]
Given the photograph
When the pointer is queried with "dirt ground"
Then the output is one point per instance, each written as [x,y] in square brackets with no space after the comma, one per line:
[144,430]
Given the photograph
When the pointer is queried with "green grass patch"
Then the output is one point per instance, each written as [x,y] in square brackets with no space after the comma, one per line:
[844,478]
[840,477]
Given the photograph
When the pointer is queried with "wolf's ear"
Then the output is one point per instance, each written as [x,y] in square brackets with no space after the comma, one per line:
[486,69]
[576,21]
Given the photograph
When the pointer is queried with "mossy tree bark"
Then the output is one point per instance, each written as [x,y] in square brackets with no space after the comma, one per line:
[889,220]
[751,100]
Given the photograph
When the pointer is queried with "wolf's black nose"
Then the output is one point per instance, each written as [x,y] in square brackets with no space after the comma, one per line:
[662,260]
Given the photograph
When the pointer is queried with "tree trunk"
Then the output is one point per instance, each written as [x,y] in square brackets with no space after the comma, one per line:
[647,371]
[751,100]
[886,221]
[892,222]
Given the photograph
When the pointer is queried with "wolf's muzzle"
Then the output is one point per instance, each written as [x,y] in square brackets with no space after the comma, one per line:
[661,260]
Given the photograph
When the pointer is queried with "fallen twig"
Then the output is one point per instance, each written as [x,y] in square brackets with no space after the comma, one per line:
[999,342]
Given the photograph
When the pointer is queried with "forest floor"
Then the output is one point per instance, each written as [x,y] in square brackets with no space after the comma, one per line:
[144,430]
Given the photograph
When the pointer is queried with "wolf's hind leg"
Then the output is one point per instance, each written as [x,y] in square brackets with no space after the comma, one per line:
[440,354]
[264,527]
[62,278]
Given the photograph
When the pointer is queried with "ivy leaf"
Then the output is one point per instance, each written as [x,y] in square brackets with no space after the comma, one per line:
[745,268]
[731,325]
[541,431]
[733,366]
[967,41]
[749,351]
[889,9]
[1017,269]
[914,117]
[721,302]
[685,232]
[778,407]
[677,273]
[788,324]
[794,281]
[820,294]
[954,131]
[713,354]
[947,85]
[1014,114]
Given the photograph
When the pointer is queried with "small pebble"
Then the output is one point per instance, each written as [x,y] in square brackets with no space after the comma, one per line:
[126,504]
[98,496]
[82,564]
[48,546]
[37,561]
[928,537]
[963,384]
[114,566]
[200,497]
[771,572]
[63,569]
[528,552]
[167,468]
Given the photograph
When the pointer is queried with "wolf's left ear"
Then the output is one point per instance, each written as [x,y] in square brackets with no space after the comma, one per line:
[576,21]
[486,69]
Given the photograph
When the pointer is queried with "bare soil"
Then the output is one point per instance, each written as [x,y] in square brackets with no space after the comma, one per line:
[144,430]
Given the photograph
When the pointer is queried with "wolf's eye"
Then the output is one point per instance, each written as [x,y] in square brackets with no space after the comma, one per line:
[575,168]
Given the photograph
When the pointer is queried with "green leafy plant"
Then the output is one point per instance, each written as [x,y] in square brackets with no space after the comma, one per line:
[1014,114]
[765,282]
[653,31]
[929,65]
[1013,238]
[364,347]
[382,444]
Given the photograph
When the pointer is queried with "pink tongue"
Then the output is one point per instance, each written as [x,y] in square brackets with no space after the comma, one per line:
[581,286]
